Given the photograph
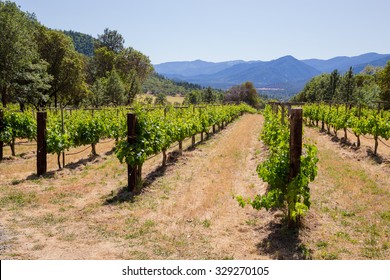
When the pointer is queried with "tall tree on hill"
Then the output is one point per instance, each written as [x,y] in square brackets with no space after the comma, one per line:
[347,87]
[209,96]
[110,39]
[384,84]
[17,47]
[334,80]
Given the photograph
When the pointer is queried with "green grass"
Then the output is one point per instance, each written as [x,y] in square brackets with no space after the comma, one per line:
[17,199]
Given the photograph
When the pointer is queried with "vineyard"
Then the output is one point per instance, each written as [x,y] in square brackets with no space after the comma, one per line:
[157,129]
[357,121]
[83,209]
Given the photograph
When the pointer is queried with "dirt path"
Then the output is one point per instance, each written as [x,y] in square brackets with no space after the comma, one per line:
[185,212]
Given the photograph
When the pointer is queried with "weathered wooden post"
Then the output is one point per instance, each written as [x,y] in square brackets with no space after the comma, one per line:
[1,128]
[295,150]
[41,143]
[63,131]
[295,142]
[131,138]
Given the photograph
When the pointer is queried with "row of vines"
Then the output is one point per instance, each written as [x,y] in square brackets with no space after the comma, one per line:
[360,121]
[157,129]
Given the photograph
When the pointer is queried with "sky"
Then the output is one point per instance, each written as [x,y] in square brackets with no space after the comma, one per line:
[223,30]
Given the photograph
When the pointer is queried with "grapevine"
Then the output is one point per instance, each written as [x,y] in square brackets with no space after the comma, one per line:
[283,193]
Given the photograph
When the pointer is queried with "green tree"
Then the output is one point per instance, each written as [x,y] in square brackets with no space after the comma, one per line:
[102,62]
[161,99]
[115,90]
[333,86]
[31,85]
[347,87]
[110,39]
[209,96]
[66,66]
[17,47]
[130,59]
[193,97]
[132,86]
[98,93]
[245,92]
[384,84]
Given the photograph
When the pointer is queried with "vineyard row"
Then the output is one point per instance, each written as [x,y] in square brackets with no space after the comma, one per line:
[155,130]
[362,122]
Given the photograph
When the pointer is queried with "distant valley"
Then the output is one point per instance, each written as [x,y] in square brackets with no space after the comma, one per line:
[282,77]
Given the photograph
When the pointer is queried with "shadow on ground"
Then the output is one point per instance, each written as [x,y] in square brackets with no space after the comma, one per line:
[125,195]
[282,243]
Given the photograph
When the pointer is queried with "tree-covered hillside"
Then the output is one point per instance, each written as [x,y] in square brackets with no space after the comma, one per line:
[156,84]
[366,87]
[83,43]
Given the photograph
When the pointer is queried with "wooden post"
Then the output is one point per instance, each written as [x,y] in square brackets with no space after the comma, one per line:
[283,113]
[180,148]
[63,131]
[41,143]
[1,128]
[131,135]
[295,153]
[295,142]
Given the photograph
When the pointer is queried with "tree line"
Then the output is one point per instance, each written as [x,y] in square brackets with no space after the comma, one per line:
[41,67]
[372,84]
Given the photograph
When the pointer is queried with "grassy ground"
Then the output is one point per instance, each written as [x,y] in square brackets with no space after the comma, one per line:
[171,99]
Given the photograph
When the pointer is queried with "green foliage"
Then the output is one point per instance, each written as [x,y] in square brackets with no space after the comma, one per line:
[293,195]
[32,83]
[364,88]
[66,66]
[156,84]
[245,92]
[384,83]
[83,43]
[114,90]
[18,49]
[57,140]
[361,121]
[110,39]
[161,99]
[156,132]
[41,66]
[17,125]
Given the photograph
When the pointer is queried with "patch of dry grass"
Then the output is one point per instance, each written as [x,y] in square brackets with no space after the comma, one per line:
[349,198]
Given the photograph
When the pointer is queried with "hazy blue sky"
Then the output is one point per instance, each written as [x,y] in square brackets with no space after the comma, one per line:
[219,30]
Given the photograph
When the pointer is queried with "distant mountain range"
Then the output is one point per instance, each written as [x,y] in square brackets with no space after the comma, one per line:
[281,77]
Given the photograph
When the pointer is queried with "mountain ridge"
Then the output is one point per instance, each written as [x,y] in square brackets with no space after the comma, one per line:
[286,74]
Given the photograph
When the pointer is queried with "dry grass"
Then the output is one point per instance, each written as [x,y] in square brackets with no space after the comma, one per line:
[171,99]
[186,211]
[351,202]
